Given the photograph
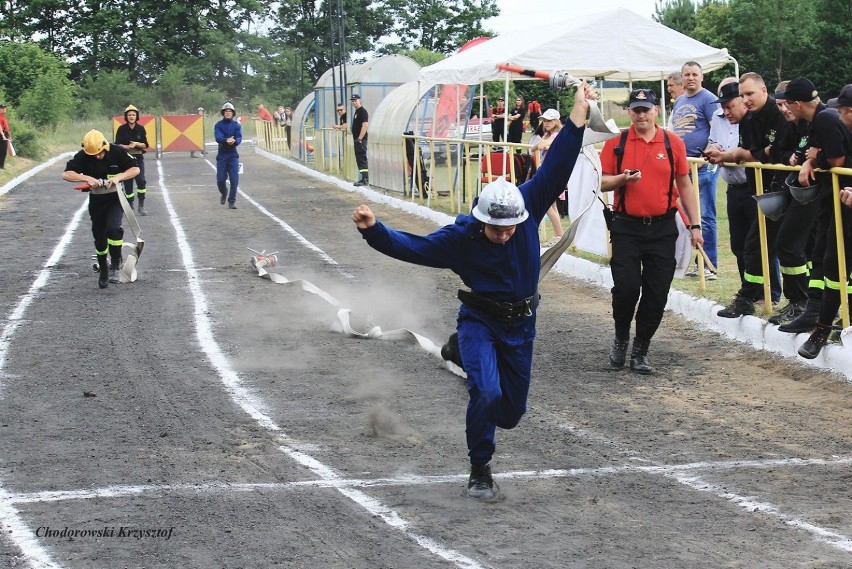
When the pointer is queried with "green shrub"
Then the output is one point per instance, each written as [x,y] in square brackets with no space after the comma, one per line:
[27,141]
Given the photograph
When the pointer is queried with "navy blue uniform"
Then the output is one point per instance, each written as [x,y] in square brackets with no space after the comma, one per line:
[497,355]
[228,159]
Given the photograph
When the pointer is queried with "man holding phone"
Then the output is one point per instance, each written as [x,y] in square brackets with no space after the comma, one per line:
[648,178]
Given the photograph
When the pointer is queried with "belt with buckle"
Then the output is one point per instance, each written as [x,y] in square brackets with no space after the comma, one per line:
[502,311]
[648,219]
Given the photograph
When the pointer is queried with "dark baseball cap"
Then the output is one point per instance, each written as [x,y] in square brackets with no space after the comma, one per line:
[799,89]
[844,99]
[355,97]
[728,91]
[642,98]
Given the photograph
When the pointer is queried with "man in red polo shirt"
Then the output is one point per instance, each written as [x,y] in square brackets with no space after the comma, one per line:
[648,178]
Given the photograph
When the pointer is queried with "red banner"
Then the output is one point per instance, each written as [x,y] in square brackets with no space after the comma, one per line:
[448,110]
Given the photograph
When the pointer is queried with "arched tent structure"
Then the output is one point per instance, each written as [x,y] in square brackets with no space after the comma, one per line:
[300,118]
[373,81]
[391,119]
[326,95]
[376,78]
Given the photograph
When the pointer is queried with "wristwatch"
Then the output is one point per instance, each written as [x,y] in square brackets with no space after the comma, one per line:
[691,227]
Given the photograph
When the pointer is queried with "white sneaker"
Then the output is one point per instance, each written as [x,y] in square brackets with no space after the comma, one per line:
[708,276]
[552,241]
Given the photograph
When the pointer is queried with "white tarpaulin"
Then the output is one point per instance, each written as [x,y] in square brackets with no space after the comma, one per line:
[619,45]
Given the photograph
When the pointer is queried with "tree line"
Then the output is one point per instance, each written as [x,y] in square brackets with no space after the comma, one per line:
[64,59]
[779,39]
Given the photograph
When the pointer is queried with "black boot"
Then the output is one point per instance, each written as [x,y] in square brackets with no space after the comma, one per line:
[740,306]
[481,485]
[103,271]
[639,357]
[451,352]
[806,321]
[813,346]
[142,204]
[618,352]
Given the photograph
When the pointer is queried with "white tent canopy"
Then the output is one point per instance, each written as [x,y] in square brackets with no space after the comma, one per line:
[618,45]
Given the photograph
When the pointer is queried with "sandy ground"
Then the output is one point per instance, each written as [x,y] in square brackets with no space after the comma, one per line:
[203,417]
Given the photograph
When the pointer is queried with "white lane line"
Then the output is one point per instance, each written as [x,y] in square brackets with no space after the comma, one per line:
[16,316]
[751,504]
[286,227]
[748,503]
[332,480]
[11,522]
[252,405]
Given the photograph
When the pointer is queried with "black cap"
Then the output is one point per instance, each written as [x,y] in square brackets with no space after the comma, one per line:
[832,103]
[355,97]
[642,98]
[728,91]
[845,97]
[799,89]
[2,105]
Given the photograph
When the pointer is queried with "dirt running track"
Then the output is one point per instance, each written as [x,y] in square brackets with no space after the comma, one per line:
[206,418]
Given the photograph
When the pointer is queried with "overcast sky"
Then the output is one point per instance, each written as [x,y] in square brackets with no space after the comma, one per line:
[518,14]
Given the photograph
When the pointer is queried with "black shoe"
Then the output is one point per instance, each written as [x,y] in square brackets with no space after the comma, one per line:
[740,306]
[451,352]
[618,352]
[639,357]
[142,210]
[232,205]
[789,313]
[806,321]
[481,485]
[814,344]
[222,198]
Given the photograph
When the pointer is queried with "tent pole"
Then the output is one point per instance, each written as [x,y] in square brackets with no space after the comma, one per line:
[506,125]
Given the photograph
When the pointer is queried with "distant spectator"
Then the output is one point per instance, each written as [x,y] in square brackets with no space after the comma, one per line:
[534,110]
[200,111]
[516,121]
[264,114]
[6,136]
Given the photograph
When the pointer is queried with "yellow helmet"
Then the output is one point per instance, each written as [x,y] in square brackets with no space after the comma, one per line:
[131,108]
[94,143]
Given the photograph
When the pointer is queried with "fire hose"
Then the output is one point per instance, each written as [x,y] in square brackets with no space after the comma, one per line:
[262,261]
[128,273]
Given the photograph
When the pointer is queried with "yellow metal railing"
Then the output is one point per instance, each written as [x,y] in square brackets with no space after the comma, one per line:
[465,158]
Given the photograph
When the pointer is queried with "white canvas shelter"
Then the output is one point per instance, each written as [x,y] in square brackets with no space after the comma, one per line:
[618,45]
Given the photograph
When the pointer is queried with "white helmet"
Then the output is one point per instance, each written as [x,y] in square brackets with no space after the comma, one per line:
[500,203]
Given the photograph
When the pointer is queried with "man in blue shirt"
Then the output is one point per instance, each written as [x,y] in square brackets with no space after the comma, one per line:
[690,120]
[495,250]
[228,135]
